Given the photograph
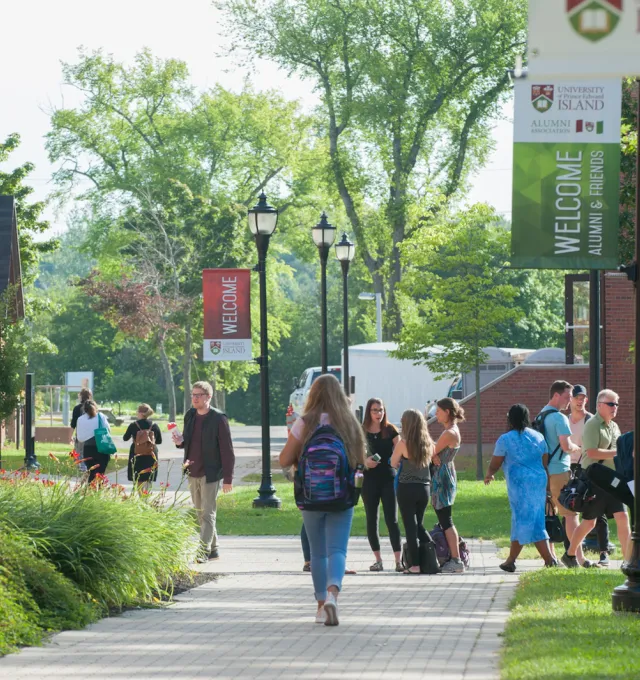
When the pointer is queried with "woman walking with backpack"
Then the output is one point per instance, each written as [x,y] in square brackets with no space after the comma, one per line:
[143,453]
[329,435]
[378,483]
[415,451]
[444,482]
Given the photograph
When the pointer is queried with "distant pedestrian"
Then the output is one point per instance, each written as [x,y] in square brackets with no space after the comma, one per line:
[599,444]
[415,450]
[143,453]
[208,449]
[378,485]
[86,426]
[327,414]
[554,426]
[444,482]
[578,417]
[78,410]
[520,452]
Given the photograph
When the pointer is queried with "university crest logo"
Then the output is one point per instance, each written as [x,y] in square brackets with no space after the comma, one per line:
[215,346]
[542,97]
[594,19]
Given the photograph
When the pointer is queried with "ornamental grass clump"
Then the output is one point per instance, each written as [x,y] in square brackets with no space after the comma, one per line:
[121,550]
[35,598]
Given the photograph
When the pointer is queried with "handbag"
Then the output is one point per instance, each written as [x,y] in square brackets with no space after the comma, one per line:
[428,558]
[553,525]
[577,493]
[104,442]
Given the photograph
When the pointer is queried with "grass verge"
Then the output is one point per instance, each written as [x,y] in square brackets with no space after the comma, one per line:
[562,627]
[13,459]
[480,512]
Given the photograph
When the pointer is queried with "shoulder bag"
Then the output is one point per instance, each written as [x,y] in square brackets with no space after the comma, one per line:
[104,442]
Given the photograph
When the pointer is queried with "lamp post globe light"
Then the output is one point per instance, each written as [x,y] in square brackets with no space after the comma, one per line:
[324,234]
[262,220]
[345,250]
[378,298]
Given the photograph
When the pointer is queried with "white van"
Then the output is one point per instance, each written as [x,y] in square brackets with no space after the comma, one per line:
[302,385]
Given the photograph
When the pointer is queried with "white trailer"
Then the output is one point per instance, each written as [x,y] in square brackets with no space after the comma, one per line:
[398,382]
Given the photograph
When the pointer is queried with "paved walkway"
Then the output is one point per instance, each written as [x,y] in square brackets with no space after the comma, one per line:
[256,621]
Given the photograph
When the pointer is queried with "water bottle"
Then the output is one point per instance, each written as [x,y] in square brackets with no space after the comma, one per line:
[359,479]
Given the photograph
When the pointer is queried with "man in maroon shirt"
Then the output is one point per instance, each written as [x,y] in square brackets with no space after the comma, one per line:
[206,440]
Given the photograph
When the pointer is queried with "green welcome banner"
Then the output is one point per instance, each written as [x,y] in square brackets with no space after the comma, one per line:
[566,175]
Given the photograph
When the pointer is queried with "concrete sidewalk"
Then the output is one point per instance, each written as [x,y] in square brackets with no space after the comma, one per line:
[257,621]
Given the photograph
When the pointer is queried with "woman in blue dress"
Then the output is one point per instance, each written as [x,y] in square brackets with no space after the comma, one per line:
[520,451]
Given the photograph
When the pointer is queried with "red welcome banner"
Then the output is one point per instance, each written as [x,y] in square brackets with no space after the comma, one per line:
[227,314]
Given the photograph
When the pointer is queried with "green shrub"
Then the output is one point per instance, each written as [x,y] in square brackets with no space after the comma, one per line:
[34,597]
[121,550]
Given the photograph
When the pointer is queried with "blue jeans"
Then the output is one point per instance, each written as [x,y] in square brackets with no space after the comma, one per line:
[328,534]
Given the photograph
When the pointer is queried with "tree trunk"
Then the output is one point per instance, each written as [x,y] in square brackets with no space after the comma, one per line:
[479,466]
[219,398]
[168,378]
[186,369]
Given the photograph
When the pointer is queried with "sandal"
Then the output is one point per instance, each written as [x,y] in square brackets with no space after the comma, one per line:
[508,566]
[412,573]
[376,566]
[399,566]
[307,566]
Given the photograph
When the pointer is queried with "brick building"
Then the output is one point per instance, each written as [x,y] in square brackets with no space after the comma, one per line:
[529,383]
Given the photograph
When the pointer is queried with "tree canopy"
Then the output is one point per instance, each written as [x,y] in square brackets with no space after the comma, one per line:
[407,89]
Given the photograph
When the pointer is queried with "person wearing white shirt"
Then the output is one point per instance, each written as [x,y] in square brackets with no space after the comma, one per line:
[86,426]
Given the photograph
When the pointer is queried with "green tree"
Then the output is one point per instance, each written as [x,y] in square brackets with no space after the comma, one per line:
[30,224]
[630,125]
[408,88]
[168,174]
[13,354]
[460,299]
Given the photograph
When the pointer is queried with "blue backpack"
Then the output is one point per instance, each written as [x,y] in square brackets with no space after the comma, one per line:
[324,480]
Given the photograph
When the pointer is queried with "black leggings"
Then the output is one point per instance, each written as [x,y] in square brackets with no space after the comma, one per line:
[374,491]
[413,499]
[444,517]
[92,457]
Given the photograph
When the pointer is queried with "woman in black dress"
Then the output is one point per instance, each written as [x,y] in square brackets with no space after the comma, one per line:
[378,484]
[143,469]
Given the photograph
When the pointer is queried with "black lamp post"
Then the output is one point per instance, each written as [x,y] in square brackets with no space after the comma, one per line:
[345,250]
[262,219]
[627,596]
[324,234]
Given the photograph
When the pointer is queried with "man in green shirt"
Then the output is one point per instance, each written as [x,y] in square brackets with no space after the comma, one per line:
[599,445]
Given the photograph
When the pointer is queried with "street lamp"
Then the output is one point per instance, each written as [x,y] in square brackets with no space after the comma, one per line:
[324,234]
[345,250]
[378,298]
[627,596]
[262,219]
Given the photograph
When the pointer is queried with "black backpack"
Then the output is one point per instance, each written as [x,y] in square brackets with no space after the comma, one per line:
[538,426]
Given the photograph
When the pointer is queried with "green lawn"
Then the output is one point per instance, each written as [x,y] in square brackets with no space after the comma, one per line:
[562,627]
[13,459]
[480,511]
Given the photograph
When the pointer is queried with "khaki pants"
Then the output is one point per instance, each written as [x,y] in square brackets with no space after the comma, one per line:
[205,500]
[556,482]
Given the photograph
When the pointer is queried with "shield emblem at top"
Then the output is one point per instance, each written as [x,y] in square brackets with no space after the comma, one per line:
[542,97]
[594,19]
